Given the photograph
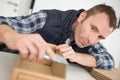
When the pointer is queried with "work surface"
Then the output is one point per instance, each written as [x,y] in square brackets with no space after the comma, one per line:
[8,61]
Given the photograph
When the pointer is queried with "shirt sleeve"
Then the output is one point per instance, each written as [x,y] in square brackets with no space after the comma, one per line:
[25,24]
[103,58]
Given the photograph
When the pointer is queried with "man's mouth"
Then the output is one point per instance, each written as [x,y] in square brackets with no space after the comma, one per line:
[83,43]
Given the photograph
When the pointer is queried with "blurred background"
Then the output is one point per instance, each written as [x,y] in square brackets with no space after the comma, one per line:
[25,7]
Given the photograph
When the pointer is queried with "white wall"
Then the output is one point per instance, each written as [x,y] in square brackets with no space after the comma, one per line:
[14,7]
[112,43]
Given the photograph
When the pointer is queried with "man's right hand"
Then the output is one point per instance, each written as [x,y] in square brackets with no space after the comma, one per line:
[29,45]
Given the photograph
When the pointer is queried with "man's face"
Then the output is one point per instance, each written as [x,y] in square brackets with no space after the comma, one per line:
[92,30]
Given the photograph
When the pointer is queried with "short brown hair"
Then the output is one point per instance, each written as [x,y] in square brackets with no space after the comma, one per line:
[106,9]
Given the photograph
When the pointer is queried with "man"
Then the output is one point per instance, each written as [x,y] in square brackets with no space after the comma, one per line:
[77,34]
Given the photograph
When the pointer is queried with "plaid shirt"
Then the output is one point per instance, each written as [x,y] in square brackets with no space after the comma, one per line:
[35,21]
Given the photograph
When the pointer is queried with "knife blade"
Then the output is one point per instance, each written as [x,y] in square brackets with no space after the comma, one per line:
[58,58]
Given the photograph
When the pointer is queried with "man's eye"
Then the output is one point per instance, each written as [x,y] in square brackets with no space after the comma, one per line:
[100,37]
[93,28]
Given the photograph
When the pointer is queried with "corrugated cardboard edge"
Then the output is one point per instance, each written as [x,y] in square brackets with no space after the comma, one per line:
[23,72]
[100,74]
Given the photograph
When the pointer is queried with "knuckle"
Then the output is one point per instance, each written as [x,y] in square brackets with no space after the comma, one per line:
[33,51]
[23,52]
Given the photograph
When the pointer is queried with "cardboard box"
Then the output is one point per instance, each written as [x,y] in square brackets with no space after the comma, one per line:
[32,70]
[100,74]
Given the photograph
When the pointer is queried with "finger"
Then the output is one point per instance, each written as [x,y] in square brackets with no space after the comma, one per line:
[65,49]
[62,46]
[33,51]
[41,49]
[41,54]
[23,51]
[44,49]
[51,54]
[67,55]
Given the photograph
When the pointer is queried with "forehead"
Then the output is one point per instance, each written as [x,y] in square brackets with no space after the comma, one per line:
[102,23]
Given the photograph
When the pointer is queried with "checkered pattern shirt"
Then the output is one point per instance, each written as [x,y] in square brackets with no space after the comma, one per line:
[35,21]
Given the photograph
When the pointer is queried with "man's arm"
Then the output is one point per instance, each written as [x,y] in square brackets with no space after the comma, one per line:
[103,59]
[80,58]
[98,56]
[29,45]
[84,59]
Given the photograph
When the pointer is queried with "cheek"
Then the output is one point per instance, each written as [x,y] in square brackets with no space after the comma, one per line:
[82,31]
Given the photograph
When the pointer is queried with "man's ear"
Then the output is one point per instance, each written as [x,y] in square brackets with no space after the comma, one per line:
[82,16]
